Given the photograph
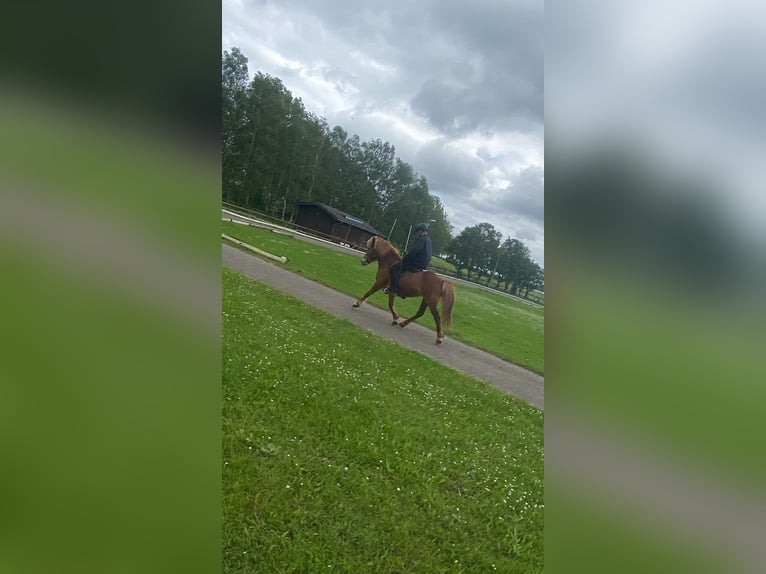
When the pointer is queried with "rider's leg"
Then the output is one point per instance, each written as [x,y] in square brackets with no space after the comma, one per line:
[396,270]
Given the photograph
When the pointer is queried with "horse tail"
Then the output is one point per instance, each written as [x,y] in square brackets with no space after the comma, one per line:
[448,301]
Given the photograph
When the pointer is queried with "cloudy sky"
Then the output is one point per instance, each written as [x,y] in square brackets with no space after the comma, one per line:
[689,97]
[455,86]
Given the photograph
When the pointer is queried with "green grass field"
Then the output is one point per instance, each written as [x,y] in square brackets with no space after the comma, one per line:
[503,326]
[439,264]
[345,452]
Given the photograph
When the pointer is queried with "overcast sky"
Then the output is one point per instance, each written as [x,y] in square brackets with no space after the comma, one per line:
[688,97]
[455,86]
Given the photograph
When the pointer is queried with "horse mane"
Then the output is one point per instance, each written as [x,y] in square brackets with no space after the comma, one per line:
[383,246]
[391,247]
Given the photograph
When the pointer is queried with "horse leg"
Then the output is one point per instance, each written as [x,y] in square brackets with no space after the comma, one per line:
[378,285]
[438,320]
[417,315]
[394,314]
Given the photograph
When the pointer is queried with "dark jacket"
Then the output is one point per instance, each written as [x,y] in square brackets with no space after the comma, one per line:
[419,255]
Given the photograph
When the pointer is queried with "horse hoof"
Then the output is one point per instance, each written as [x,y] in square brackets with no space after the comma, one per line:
[395,322]
[355,305]
[402,325]
[439,341]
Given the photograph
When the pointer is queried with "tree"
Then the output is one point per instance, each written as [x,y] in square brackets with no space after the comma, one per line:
[538,280]
[489,242]
[234,77]
[379,163]
[530,276]
[474,248]
[515,256]
[461,250]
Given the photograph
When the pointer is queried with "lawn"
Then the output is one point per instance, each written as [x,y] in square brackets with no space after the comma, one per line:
[500,325]
[439,264]
[345,452]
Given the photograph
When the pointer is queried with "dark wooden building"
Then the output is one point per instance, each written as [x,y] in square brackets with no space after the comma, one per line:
[335,223]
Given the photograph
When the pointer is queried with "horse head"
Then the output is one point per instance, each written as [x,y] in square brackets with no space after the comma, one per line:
[378,249]
[371,254]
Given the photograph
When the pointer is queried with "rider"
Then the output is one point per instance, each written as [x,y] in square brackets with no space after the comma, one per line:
[417,258]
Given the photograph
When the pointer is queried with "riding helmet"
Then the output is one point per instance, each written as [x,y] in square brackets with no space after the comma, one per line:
[421,227]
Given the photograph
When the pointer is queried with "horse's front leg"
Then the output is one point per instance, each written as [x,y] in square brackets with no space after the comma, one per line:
[376,287]
[394,314]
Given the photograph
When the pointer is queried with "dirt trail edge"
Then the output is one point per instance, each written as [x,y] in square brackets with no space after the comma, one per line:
[515,380]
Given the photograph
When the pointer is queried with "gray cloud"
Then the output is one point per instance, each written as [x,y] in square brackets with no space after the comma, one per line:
[457,109]
[494,77]
[453,170]
[525,195]
[467,65]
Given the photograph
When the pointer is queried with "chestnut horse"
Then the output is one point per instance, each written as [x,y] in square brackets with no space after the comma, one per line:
[424,284]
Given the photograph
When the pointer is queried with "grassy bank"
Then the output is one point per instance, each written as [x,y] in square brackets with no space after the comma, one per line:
[345,452]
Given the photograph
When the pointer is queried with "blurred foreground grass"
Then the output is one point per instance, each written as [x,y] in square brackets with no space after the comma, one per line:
[101,161]
[655,336]
[685,374]
[109,247]
[590,534]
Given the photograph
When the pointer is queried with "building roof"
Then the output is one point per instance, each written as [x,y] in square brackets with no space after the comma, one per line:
[343,217]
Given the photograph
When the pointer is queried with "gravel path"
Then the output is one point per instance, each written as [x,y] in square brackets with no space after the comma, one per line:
[506,376]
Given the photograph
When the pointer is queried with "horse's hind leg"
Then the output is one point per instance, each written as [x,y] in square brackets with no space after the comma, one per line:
[394,314]
[438,320]
[417,315]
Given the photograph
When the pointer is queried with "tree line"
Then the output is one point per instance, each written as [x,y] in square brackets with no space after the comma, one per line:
[276,153]
[479,250]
